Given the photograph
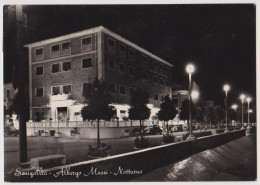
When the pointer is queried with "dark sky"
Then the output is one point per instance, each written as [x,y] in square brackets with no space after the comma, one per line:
[219,39]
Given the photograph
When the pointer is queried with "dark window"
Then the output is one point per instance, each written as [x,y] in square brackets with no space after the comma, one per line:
[166,82]
[55,90]
[39,70]
[55,48]
[122,68]
[87,87]
[122,111]
[156,97]
[155,79]
[144,60]
[86,62]
[8,93]
[86,44]
[161,81]
[67,89]
[122,49]
[65,45]
[112,87]
[111,43]
[66,66]
[155,64]
[131,91]
[122,89]
[132,71]
[55,68]
[131,53]
[39,51]
[39,92]
[111,64]
[145,76]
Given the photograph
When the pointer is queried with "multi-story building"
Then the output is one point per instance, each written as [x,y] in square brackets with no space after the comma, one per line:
[9,94]
[61,68]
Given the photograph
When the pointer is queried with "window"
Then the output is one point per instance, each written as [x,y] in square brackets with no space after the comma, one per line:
[155,79]
[39,53]
[166,82]
[112,87]
[55,68]
[39,70]
[145,60]
[156,97]
[55,50]
[131,71]
[86,62]
[122,68]
[86,44]
[87,87]
[131,91]
[122,50]
[65,48]
[161,69]
[131,53]
[39,92]
[8,94]
[122,89]
[55,90]
[112,64]
[161,81]
[111,45]
[66,89]
[145,76]
[122,111]
[155,65]
[66,66]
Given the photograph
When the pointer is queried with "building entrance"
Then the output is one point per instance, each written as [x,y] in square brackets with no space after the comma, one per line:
[62,113]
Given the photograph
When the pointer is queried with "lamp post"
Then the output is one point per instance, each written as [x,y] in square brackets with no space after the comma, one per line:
[242,97]
[248,100]
[235,109]
[226,89]
[190,69]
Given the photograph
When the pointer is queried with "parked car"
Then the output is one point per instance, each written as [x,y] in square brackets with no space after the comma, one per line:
[155,129]
[10,131]
[177,128]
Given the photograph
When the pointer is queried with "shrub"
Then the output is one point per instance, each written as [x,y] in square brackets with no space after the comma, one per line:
[97,152]
[168,138]
[141,142]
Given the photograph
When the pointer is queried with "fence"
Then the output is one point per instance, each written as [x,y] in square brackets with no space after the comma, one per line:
[86,124]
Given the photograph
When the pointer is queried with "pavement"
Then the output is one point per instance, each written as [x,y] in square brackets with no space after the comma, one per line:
[75,150]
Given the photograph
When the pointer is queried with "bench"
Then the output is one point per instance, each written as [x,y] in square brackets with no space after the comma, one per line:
[48,161]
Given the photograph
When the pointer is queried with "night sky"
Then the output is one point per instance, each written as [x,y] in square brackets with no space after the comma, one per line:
[218,39]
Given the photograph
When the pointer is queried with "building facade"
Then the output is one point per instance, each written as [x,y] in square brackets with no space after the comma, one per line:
[61,68]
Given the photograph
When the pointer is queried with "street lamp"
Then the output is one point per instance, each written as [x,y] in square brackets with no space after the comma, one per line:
[248,100]
[242,97]
[226,89]
[234,107]
[190,69]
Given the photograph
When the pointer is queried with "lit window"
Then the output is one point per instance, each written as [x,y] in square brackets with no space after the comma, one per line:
[55,50]
[67,89]
[86,62]
[39,92]
[39,70]
[55,68]
[55,90]
[86,44]
[112,87]
[122,68]
[111,64]
[122,89]
[65,48]
[66,66]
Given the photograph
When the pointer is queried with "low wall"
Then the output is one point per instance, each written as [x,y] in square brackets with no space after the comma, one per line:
[124,167]
[88,133]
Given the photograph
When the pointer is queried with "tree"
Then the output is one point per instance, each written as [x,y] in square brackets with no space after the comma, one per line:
[220,114]
[209,114]
[138,108]
[98,102]
[167,111]
[232,114]
[184,110]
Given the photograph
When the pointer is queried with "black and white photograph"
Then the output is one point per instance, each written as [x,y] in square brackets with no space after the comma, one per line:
[129,92]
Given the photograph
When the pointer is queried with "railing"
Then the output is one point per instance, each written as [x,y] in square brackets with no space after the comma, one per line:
[88,124]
